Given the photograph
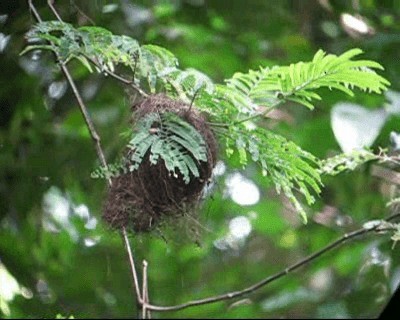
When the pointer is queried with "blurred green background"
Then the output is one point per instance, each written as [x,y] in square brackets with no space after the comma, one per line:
[56,255]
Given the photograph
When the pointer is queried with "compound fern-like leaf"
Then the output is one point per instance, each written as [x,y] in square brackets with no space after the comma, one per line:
[162,136]
[298,82]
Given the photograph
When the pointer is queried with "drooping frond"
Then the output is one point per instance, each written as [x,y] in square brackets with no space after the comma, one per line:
[288,166]
[162,136]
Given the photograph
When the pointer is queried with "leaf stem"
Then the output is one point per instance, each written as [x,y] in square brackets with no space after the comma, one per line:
[252,117]
[118,77]
[261,114]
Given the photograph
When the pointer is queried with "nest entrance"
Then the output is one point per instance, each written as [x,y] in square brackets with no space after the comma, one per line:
[142,199]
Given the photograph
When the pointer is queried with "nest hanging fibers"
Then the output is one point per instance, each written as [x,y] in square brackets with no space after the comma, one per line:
[168,162]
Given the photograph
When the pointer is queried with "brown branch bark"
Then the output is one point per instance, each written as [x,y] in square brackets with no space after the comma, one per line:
[378,227]
[89,123]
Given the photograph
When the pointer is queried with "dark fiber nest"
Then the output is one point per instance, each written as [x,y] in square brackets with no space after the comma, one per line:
[142,199]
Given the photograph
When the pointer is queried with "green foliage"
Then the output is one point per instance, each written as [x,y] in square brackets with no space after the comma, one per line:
[394,201]
[232,107]
[346,161]
[299,81]
[98,45]
[288,166]
[236,105]
[163,136]
[44,143]
[187,84]
[396,235]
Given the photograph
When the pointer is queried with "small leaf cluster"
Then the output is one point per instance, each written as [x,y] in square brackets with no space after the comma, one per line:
[99,47]
[162,136]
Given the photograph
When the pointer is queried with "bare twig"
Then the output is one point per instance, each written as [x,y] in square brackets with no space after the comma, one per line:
[51,6]
[260,114]
[145,294]
[86,116]
[264,113]
[392,217]
[34,11]
[132,265]
[94,135]
[192,101]
[379,227]
[83,14]
[118,77]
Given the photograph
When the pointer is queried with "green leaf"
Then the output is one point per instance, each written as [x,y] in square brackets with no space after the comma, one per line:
[36,47]
[346,161]
[296,81]
[288,166]
[164,136]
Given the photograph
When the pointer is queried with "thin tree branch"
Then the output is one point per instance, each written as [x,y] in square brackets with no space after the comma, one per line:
[86,116]
[83,14]
[34,11]
[261,114]
[249,118]
[53,9]
[110,73]
[89,123]
[94,135]
[118,77]
[145,294]
[132,265]
[377,227]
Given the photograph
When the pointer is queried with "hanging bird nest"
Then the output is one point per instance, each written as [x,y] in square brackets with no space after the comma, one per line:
[142,199]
